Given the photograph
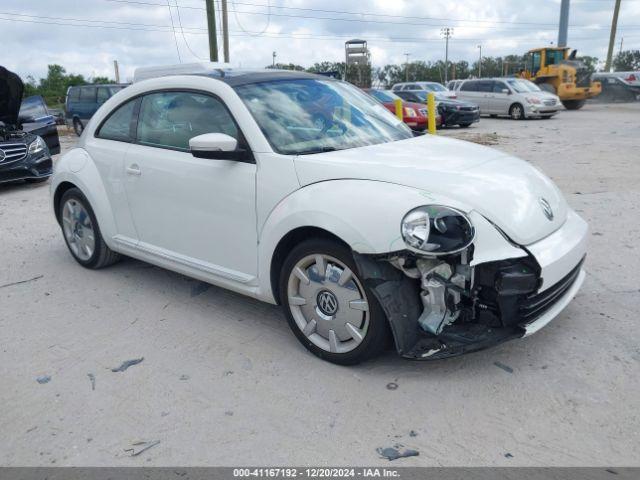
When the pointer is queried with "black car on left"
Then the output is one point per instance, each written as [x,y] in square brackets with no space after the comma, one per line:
[452,112]
[24,155]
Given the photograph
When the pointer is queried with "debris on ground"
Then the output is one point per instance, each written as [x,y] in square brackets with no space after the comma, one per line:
[413,433]
[21,281]
[139,447]
[92,379]
[396,452]
[199,288]
[480,138]
[184,377]
[504,367]
[229,413]
[508,455]
[43,379]
[128,363]
[392,386]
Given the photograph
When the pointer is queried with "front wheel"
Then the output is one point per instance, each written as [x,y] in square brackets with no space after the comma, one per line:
[516,111]
[77,126]
[82,233]
[574,104]
[464,125]
[328,307]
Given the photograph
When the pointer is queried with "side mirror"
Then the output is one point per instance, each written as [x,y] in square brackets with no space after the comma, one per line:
[218,146]
[506,90]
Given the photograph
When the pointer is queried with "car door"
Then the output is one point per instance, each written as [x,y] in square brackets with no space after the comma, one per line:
[193,211]
[470,91]
[87,104]
[499,100]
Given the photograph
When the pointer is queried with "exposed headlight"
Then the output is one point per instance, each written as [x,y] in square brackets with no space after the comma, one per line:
[37,146]
[410,112]
[534,100]
[437,230]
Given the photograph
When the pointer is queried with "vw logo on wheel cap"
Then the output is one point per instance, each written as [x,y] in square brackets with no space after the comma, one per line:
[546,208]
[327,303]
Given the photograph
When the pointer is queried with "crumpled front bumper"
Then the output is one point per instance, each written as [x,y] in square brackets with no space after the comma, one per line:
[30,167]
[558,261]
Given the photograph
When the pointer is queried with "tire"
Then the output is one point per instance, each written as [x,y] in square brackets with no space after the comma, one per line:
[350,326]
[547,87]
[547,117]
[77,126]
[79,224]
[516,111]
[574,104]
[464,125]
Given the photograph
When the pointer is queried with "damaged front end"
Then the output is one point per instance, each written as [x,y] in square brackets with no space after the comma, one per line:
[446,304]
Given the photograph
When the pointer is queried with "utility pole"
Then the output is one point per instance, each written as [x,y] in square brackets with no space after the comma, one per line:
[446,32]
[406,67]
[621,42]
[564,23]
[116,70]
[273,63]
[480,63]
[225,31]
[211,26]
[612,38]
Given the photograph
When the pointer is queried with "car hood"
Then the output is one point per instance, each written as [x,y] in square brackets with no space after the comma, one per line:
[456,103]
[504,189]
[11,88]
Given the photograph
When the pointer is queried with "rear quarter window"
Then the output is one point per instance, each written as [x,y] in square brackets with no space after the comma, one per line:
[73,95]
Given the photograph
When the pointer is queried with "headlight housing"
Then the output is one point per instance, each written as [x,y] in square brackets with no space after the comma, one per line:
[37,146]
[437,230]
[533,100]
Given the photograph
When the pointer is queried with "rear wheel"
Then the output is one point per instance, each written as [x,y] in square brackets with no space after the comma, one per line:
[77,126]
[574,104]
[328,307]
[464,125]
[516,111]
[82,233]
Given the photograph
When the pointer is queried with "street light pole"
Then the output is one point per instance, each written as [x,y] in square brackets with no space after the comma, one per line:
[446,32]
[273,63]
[480,63]
[612,37]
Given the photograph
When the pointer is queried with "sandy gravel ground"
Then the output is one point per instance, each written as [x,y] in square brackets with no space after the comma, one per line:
[224,382]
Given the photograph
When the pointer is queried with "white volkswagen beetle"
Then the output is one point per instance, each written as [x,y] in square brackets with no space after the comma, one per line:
[300,190]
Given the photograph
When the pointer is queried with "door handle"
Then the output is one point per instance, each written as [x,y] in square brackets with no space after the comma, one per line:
[134,170]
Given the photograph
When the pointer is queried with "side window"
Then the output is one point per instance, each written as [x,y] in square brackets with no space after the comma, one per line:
[171,119]
[87,94]
[535,61]
[498,87]
[486,86]
[103,94]
[469,87]
[118,124]
[74,94]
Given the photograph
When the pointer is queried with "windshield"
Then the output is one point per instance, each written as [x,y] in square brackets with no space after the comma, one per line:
[435,87]
[311,116]
[523,86]
[384,95]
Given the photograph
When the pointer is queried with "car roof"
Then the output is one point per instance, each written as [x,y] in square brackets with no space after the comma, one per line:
[231,76]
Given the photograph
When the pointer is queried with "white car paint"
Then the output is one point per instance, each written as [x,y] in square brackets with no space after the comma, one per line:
[220,220]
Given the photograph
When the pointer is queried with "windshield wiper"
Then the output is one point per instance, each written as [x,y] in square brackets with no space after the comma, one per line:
[317,150]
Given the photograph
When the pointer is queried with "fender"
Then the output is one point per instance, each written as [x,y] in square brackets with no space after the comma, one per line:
[369,222]
[77,168]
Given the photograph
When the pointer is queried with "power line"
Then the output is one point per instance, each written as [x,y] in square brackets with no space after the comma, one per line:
[201,31]
[182,32]
[175,38]
[311,17]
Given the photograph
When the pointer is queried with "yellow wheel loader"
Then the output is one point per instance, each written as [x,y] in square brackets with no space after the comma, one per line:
[558,72]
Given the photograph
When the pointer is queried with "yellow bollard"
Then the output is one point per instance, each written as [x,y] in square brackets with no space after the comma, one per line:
[431,113]
[399,114]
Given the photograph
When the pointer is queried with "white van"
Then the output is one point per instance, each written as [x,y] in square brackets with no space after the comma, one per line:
[515,97]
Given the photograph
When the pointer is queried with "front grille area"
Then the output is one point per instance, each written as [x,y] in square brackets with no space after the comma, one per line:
[537,304]
[12,152]
[550,102]
[468,109]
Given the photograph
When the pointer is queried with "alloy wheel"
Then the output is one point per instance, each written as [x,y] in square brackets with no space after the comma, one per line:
[78,229]
[328,303]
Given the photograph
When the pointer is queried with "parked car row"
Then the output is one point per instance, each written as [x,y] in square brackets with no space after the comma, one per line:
[83,101]
[618,86]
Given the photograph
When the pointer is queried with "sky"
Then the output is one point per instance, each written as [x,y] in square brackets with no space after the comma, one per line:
[86,36]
